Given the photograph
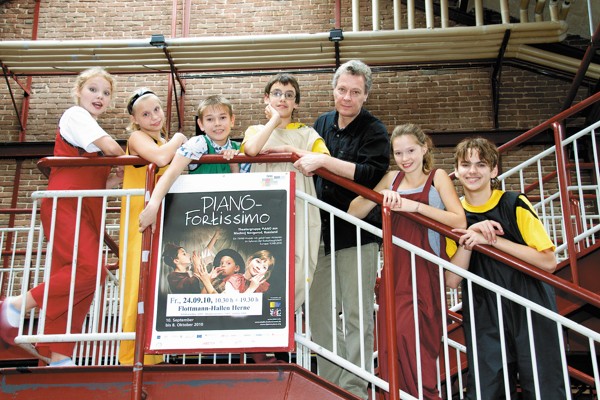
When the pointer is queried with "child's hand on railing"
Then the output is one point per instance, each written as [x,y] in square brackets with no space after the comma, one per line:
[148,217]
[230,153]
[470,238]
[116,178]
[489,230]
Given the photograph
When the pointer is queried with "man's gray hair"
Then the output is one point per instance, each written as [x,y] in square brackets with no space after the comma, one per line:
[355,67]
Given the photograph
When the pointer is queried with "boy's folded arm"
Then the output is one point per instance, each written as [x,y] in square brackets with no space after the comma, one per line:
[542,259]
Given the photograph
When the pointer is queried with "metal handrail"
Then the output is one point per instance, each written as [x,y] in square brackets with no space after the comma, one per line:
[562,284]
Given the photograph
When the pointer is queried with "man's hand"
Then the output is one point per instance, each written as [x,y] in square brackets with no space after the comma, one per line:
[309,163]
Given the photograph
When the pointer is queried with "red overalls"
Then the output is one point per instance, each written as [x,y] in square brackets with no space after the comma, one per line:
[429,307]
[72,178]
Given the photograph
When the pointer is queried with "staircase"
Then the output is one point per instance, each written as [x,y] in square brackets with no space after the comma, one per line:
[577,277]
[562,183]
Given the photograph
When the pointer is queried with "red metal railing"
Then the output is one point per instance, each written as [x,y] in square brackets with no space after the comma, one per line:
[556,124]
[572,288]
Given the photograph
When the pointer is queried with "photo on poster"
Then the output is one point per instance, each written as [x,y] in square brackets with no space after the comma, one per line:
[221,264]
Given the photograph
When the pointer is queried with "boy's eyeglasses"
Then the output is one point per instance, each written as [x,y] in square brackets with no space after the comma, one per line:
[279,94]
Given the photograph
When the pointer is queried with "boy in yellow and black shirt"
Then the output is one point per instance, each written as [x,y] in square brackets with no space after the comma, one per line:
[507,222]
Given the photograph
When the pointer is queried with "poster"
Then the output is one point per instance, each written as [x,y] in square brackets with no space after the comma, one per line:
[221,264]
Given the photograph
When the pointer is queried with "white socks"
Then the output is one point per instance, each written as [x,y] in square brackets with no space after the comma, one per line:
[65,362]
[13,317]
[13,314]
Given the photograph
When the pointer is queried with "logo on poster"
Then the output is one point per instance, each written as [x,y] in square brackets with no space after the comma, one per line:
[222,211]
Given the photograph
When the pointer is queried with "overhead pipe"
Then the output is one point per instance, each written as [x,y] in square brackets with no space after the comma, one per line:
[504,12]
[410,13]
[553,7]
[444,13]
[564,11]
[429,14]
[355,15]
[397,15]
[524,11]
[539,10]
[479,12]
[375,14]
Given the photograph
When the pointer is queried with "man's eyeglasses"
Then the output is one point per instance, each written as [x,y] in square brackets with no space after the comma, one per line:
[279,94]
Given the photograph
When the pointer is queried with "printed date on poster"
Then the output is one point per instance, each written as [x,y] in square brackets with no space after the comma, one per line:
[188,305]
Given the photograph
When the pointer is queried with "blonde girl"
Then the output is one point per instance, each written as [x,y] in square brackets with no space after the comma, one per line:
[78,134]
[148,140]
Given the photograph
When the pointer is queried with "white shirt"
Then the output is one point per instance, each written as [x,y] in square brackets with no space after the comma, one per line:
[79,128]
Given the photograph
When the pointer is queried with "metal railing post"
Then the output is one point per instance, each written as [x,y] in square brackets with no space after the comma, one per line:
[140,327]
[388,293]
[563,180]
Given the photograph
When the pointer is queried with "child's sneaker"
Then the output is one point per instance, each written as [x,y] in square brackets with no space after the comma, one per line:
[8,332]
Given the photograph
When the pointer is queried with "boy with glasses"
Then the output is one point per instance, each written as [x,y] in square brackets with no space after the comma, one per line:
[281,135]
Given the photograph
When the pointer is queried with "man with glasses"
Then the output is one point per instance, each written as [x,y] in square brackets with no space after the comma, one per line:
[360,148]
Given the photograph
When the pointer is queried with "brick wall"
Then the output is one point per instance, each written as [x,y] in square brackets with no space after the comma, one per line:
[443,99]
